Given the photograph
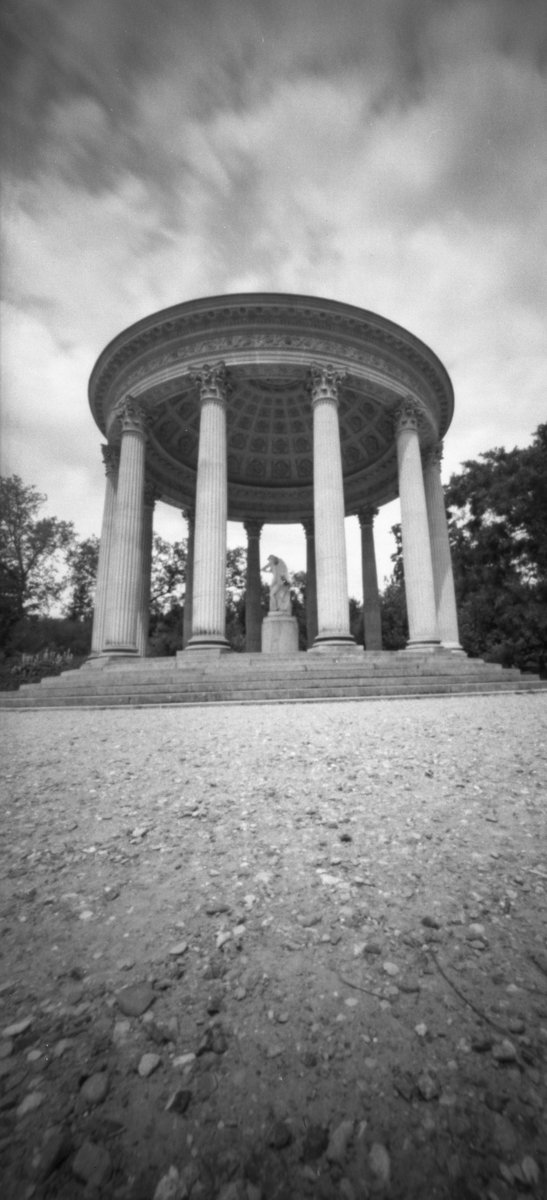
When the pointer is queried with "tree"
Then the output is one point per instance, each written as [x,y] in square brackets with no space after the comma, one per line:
[498,528]
[497,509]
[82,559]
[393,600]
[32,551]
[168,579]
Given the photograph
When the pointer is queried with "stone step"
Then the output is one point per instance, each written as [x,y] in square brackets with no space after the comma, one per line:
[87,689]
[392,666]
[206,687]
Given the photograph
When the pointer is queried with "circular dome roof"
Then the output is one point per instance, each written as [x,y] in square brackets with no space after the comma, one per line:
[269,343]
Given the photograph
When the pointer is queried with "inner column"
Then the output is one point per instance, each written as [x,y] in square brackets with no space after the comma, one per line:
[372,617]
[188,513]
[209,575]
[418,568]
[443,578]
[253,614]
[328,501]
[311,584]
[111,458]
[125,575]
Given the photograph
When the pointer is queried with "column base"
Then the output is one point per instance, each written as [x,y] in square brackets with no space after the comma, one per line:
[326,643]
[120,652]
[107,657]
[213,643]
[279,635]
[424,647]
[453,647]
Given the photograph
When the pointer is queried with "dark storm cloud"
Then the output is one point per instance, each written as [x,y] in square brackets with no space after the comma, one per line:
[94,59]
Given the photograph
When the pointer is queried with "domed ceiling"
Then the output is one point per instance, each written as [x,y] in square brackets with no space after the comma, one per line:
[269,344]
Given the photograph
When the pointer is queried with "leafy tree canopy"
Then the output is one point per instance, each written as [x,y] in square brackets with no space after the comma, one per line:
[168,580]
[82,559]
[499,510]
[32,550]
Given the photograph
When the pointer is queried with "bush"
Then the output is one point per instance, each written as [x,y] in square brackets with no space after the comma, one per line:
[31,668]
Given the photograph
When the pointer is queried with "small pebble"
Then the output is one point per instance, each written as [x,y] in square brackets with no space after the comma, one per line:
[94,1089]
[92,1164]
[56,1149]
[19,1027]
[183,1061]
[30,1103]
[504,1052]
[379,1165]
[178,1102]
[339,1140]
[121,1032]
[134,999]
[148,1064]
[170,1186]
[475,931]
[178,950]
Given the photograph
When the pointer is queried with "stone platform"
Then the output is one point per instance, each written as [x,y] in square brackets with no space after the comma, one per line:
[257,678]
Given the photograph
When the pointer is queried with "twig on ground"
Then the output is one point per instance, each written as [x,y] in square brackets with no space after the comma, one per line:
[479,1011]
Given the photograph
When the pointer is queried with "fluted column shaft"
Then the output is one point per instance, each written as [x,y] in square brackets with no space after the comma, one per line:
[253,614]
[126,575]
[311,584]
[209,584]
[328,502]
[372,617]
[189,581]
[443,578]
[143,618]
[111,458]
[418,568]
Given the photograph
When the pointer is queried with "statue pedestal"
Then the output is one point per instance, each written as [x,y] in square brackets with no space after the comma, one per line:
[279,634]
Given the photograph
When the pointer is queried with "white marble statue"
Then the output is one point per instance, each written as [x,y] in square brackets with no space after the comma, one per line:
[280,588]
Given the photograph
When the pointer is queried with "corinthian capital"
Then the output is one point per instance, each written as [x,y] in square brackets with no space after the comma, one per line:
[253,528]
[111,459]
[433,456]
[212,382]
[366,516]
[132,415]
[408,415]
[324,383]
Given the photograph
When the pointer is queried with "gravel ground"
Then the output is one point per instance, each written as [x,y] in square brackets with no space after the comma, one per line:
[275,952]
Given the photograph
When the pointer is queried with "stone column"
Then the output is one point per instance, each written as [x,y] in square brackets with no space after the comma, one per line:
[418,568]
[311,584]
[143,618]
[328,500]
[372,619]
[253,613]
[209,585]
[443,578]
[188,513]
[125,581]
[111,459]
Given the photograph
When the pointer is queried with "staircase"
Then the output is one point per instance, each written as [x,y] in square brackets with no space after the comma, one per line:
[258,678]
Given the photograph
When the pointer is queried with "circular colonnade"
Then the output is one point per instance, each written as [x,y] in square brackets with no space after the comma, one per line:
[267,408]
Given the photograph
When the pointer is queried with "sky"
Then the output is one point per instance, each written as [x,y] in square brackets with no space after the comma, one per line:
[390,154]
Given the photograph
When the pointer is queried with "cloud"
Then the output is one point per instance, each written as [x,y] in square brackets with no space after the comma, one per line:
[388,154]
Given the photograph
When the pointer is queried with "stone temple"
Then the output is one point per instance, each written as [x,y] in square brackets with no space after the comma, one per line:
[271,408]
